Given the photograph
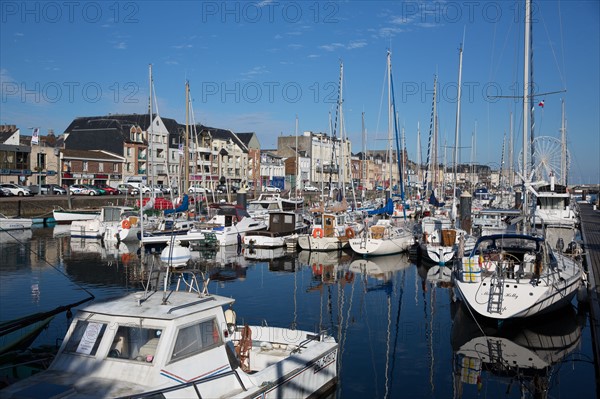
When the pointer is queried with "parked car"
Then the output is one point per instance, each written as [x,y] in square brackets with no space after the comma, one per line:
[308,187]
[222,188]
[127,189]
[83,189]
[108,189]
[272,189]
[17,189]
[199,190]
[52,189]
[98,189]
[141,186]
[5,192]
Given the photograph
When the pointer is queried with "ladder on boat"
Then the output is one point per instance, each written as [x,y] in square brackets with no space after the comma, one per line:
[496,294]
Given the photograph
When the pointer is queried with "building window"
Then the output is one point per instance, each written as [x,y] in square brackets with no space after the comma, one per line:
[85,166]
[115,167]
[100,166]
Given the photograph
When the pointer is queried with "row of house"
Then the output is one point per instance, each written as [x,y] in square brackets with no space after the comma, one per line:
[112,149]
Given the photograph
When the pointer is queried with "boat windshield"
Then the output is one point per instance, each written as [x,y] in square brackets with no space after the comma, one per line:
[86,338]
[507,243]
[135,343]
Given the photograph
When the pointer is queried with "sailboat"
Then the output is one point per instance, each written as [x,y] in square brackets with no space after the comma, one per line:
[441,240]
[385,237]
[517,275]
[333,226]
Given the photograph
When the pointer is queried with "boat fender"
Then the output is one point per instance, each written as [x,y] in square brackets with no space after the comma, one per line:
[318,233]
[350,232]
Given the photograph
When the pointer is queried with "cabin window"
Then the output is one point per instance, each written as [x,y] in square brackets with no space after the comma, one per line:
[289,219]
[86,338]
[195,339]
[135,343]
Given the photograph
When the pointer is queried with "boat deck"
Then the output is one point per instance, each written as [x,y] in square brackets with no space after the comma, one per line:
[590,229]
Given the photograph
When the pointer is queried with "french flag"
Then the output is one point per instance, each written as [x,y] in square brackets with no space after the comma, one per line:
[541,104]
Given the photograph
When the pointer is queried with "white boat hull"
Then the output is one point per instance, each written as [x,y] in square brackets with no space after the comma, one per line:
[64,217]
[308,242]
[15,224]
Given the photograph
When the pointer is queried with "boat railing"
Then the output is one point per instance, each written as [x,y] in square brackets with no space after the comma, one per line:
[185,385]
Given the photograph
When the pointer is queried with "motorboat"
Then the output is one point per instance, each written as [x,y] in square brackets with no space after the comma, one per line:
[331,230]
[181,343]
[281,227]
[228,226]
[108,224]
[8,223]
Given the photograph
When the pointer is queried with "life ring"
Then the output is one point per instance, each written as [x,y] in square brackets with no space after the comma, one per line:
[318,233]
[349,277]
[317,270]
[350,232]
[126,224]
[487,265]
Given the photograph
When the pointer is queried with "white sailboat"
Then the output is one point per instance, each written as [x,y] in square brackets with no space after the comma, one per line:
[387,236]
[517,275]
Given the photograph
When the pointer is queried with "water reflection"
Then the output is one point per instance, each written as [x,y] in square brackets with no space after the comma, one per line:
[519,356]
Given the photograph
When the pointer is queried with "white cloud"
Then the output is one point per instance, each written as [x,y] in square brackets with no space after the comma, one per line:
[257,70]
[121,46]
[313,56]
[331,47]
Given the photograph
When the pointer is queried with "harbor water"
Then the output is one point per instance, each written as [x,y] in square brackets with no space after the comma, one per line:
[400,333]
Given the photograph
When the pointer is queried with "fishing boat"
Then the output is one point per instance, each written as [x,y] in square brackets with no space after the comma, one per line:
[270,202]
[282,226]
[182,344]
[7,223]
[331,231]
[108,224]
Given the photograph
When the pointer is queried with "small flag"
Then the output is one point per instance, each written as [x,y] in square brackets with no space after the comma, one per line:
[35,137]
[180,148]
[541,104]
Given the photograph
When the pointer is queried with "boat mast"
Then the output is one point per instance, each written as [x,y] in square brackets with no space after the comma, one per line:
[149,173]
[296,183]
[186,154]
[364,163]
[526,109]
[390,122]
[563,138]
[457,130]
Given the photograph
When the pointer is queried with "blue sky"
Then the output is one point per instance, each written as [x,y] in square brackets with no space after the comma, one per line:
[254,66]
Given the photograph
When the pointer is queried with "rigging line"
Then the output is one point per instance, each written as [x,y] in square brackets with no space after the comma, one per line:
[560,72]
[562,43]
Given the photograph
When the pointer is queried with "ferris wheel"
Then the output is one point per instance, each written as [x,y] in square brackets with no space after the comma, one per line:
[547,159]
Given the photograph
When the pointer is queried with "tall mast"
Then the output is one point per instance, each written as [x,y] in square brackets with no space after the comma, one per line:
[457,130]
[526,106]
[511,164]
[186,154]
[364,157]
[563,139]
[149,155]
[297,166]
[390,121]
